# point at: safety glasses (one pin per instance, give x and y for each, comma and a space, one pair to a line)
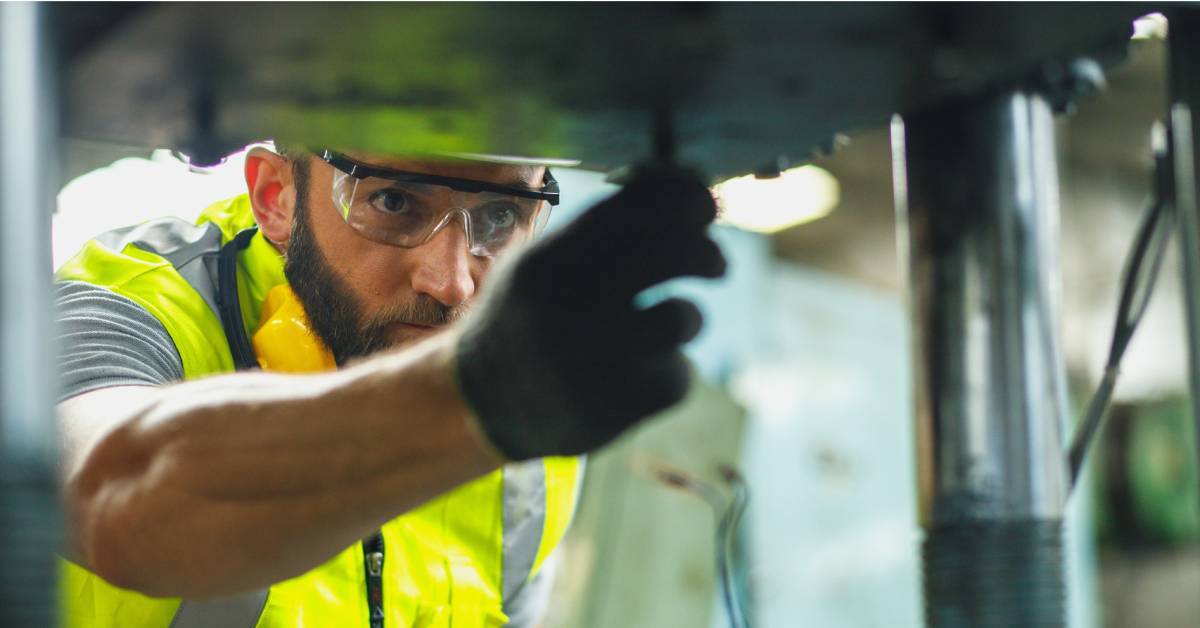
406, 209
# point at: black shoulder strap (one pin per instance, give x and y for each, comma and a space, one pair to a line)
230, 305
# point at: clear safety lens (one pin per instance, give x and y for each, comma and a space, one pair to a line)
409, 214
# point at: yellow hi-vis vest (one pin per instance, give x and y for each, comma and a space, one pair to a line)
459, 560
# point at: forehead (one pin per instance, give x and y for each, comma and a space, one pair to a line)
503, 174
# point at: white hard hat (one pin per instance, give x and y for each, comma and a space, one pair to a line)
513, 160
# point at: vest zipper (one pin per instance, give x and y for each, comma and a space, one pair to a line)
373, 561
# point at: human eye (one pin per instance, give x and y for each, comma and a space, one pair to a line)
501, 215
390, 201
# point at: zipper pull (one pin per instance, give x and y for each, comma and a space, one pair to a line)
375, 563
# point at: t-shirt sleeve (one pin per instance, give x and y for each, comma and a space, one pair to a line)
106, 339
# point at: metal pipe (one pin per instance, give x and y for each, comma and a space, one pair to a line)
977, 203
1184, 63
28, 504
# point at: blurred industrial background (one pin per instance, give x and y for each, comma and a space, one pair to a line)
830, 538
805, 371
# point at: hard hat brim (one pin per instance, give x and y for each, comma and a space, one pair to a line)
513, 160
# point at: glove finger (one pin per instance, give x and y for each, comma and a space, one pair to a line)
626, 334
650, 205
666, 325
607, 399
651, 385
624, 272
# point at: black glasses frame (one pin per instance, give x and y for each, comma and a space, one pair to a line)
359, 170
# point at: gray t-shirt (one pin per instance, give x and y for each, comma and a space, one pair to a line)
105, 339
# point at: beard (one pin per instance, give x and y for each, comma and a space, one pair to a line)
334, 312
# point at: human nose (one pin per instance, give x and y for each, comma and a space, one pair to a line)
444, 265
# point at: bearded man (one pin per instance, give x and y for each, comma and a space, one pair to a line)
356, 395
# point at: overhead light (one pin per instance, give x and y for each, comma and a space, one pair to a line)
1153, 26
794, 197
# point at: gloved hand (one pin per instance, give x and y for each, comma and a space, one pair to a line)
558, 360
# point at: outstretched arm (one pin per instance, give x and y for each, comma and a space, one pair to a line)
230, 483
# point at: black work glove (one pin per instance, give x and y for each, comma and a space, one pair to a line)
558, 360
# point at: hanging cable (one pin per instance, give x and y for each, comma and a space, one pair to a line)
730, 521
1137, 284
728, 515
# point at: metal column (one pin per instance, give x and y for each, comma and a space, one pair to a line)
28, 144
977, 201
1184, 76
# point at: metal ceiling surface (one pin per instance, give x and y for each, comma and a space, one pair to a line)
745, 83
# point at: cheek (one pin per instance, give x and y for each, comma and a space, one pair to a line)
371, 270
480, 271
380, 273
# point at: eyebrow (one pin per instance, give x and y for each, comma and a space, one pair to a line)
522, 178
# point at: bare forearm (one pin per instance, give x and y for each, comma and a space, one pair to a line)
235, 482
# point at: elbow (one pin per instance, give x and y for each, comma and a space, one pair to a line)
102, 553
101, 500
98, 529
127, 506
116, 541
123, 560
124, 522
118, 555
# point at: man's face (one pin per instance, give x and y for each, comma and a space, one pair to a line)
362, 296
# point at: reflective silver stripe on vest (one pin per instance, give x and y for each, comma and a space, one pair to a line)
230, 612
191, 249
524, 523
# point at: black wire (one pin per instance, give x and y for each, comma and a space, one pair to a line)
733, 516
728, 516
1137, 284
723, 572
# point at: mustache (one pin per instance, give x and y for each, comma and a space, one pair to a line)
422, 310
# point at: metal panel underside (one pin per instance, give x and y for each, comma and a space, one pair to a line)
747, 82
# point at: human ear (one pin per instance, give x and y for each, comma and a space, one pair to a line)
272, 192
